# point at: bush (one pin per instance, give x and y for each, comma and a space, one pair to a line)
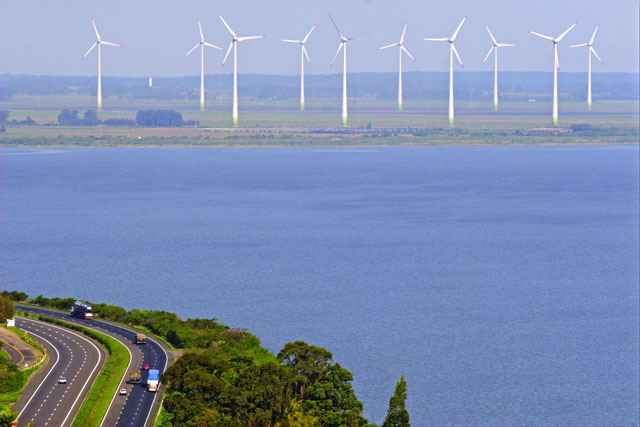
119, 122
159, 118
581, 127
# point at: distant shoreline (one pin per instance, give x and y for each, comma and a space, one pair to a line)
337, 145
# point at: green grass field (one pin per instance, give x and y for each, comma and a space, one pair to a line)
476, 122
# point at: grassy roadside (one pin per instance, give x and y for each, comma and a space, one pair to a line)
10, 397
95, 405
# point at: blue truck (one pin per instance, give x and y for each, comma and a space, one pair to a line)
152, 380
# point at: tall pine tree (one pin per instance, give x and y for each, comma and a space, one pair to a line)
397, 415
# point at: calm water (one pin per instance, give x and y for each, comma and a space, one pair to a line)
501, 282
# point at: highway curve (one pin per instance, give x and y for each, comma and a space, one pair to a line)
73, 356
138, 407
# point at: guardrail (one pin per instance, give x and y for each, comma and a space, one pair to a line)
33, 342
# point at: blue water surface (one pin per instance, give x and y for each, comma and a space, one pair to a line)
502, 282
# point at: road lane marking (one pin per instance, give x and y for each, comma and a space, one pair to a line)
94, 368
19, 352
45, 378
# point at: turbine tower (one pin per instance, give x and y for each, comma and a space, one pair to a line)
495, 46
99, 42
343, 45
303, 54
401, 49
234, 44
452, 50
589, 52
556, 67
202, 44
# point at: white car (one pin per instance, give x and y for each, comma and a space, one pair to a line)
123, 392
62, 380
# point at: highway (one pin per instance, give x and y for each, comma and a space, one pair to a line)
73, 356
19, 352
137, 408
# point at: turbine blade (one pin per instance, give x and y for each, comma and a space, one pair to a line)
557, 61
290, 41
192, 49
226, 25
334, 24
213, 46
594, 52
443, 39
541, 35
506, 45
404, 49
200, 28
304, 50
490, 34
90, 49
579, 45
457, 56
404, 30
561, 36
389, 45
488, 53
110, 44
455, 34
241, 39
336, 55
227, 54
594, 35
304, 40
95, 28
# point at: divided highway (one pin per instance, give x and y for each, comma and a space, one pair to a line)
137, 408
74, 357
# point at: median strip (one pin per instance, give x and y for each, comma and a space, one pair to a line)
104, 388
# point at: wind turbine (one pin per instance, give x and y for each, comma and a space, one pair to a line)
495, 46
343, 45
556, 67
99, 42
303, 54
401, 49
234, 44
202, 44
589, 52
452, 50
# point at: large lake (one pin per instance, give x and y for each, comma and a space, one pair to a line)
502, 282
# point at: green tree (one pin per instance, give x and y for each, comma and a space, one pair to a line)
7, 309
7, 417
67, 117
91, 118
260, 395
333, 400
397, 415
309, 362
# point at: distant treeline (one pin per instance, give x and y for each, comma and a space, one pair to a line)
152, 118
417, 85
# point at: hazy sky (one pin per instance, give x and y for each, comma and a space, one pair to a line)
49, 37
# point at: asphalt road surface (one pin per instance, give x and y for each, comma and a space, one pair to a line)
73, 356
19, 352
138, 406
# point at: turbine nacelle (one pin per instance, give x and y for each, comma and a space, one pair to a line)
98, 41
234, 38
